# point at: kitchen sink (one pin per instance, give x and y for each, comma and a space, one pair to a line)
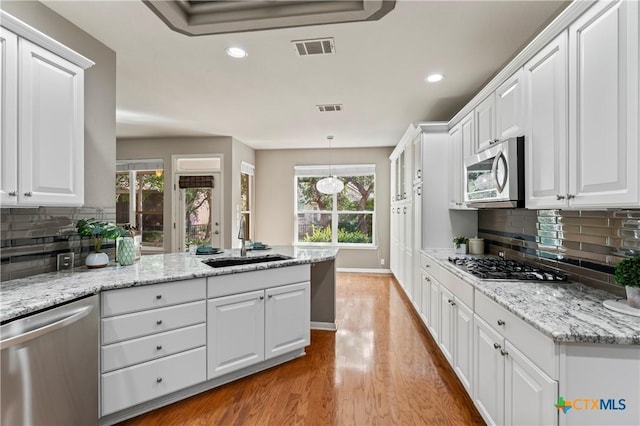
235, 261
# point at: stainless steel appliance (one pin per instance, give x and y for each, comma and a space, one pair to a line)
49, 366
498, 269
494, 178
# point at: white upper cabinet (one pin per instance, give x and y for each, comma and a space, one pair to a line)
51, 128
485, 120
546, 143
42, 152
8, 117
603, 106
510, 107
460, 145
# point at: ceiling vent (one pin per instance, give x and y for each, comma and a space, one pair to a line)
329, 107
317, 46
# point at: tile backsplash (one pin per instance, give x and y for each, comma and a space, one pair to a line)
586, 245
31, 238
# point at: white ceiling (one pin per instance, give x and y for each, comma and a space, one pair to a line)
169, 84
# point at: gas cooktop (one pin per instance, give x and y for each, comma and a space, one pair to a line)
498, 269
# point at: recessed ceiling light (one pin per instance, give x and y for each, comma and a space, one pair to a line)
236, 52
434, 78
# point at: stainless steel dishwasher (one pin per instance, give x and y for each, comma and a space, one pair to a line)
50, 366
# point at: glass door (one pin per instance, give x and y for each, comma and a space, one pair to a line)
199, 200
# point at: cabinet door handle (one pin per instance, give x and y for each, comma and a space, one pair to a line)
500, 322
427, 279
159, 322
453, 303
496, 346
559, 197
13, 194
270, 296
503, 352
158, 380
158, 347
261, 297
570, 196
419, 173
28, 194
419, 190
404, 210
158, 296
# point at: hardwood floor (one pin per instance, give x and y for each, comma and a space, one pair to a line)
380, 368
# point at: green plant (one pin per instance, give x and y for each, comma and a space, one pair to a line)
628, 272
99, 230
319, 235
459, 240
345, 236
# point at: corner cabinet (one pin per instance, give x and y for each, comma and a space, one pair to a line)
42, 120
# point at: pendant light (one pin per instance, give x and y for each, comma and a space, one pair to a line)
330, 185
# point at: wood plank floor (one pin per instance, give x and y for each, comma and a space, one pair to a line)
380, 368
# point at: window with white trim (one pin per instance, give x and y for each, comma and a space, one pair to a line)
346, 218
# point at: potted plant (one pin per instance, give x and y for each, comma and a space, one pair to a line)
460, 244
627, 274
98, 231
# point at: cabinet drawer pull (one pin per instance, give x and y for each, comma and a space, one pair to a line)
159, 322
13, 194
496, 346
28, 194
503, 352
159, 379
158, 296
159, 347
500, 322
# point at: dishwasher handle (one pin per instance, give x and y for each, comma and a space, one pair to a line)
30, 335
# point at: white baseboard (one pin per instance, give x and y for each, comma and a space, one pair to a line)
326, 326
364, 270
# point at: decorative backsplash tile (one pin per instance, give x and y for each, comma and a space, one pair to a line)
586, 245
31, 238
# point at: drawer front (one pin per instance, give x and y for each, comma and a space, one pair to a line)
429, 265
538, 347
135, 299
225, 285
130, 326
131, 352
131, 386
461, 289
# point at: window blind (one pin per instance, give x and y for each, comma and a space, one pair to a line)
338, 170
195, 182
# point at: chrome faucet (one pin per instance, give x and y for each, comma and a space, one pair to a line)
241, 233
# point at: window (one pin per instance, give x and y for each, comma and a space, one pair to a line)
346, 218
247, 172
140, 200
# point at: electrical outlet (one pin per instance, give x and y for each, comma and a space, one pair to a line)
65, 261
382, 262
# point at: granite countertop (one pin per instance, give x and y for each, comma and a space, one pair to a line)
566, 312
28, 295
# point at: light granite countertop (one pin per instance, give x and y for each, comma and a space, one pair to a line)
28, 295
566, 312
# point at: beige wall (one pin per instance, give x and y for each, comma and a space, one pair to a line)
232, 153
100, 96
275, 202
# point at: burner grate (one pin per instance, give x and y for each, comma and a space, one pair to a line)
489, 268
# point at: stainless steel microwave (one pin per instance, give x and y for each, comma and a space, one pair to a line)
494, 178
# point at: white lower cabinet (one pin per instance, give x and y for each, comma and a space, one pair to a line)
143, 382
235, 332
247, 328
156, 349
508, 387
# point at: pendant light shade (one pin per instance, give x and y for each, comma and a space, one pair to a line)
330, 185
